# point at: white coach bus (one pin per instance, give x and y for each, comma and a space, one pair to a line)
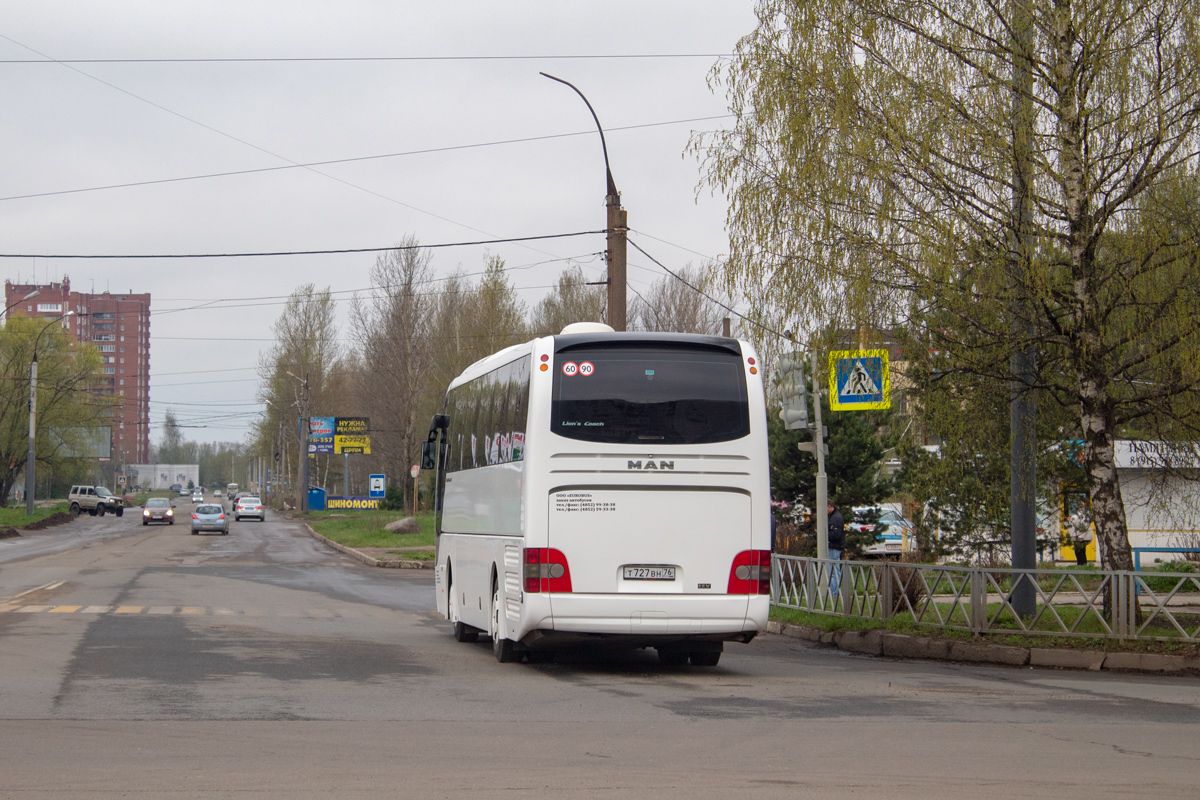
605, 489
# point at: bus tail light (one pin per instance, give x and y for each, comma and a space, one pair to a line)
751, 573
546, 570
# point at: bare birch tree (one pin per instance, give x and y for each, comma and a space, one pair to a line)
676, 304
571, 300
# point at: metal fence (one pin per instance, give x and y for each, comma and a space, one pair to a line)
1093, 603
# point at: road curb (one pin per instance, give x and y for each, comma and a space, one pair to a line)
370, 561
878, 642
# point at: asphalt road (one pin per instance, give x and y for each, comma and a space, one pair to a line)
153, 663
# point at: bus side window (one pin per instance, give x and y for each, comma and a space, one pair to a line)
519, 399
501, 415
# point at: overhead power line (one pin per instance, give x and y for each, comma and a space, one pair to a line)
697, 289
303, 252
367, 59
353, 159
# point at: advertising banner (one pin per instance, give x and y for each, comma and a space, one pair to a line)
320, 435
350, 435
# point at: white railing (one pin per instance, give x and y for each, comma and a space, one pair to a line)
1092, 603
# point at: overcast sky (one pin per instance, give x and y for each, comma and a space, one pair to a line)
467, 82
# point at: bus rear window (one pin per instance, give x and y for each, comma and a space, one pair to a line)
649, 394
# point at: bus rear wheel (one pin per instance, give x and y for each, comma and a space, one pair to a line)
505, 652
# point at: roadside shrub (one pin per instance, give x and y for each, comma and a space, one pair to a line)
393, 499
1167, 584
907, 587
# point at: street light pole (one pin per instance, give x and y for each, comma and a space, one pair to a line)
303, 498
30, 457
617, 227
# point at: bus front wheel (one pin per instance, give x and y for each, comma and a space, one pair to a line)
503, 648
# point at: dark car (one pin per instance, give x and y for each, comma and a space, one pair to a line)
158, 509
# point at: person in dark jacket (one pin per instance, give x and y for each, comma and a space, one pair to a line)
837, 543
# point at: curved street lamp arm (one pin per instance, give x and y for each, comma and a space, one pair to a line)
612, 186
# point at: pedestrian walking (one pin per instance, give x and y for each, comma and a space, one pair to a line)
1080, 528
836, 539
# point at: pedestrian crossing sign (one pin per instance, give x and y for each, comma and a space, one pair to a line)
859, 380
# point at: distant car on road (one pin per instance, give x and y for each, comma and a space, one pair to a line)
158, 509
198, 496
249, 506
210, 517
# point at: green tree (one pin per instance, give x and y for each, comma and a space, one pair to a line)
873, 173
857, 442
68, 412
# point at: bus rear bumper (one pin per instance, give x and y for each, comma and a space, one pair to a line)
714, 617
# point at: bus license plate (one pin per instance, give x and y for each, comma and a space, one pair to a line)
649, 573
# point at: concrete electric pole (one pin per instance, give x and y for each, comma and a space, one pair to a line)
617, 226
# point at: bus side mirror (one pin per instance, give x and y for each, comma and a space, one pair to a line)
428, 455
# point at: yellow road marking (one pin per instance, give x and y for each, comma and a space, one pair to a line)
65, 609
129, 609
8, 607
192, 610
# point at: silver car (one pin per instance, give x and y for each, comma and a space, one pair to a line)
210, 517
249, 506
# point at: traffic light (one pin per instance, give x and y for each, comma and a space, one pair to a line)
794, 391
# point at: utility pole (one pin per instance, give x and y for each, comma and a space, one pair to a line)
617, 227
1022, 409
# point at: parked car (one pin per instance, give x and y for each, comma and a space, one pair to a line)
96, 500
210, 517
249, 506
894, 535
158, 509
175, 488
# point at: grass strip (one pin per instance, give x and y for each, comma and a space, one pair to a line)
15, 517
365, 529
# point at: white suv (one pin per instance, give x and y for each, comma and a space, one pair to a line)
96, 500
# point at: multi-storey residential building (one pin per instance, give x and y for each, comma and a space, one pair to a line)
119, 326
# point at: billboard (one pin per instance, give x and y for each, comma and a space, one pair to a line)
350, 435
330, 435
320, 435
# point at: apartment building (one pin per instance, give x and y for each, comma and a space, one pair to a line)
119, 326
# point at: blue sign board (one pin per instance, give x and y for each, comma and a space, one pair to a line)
320, 435
376, 485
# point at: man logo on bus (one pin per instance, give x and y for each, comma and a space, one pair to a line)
651, 465
570, 368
